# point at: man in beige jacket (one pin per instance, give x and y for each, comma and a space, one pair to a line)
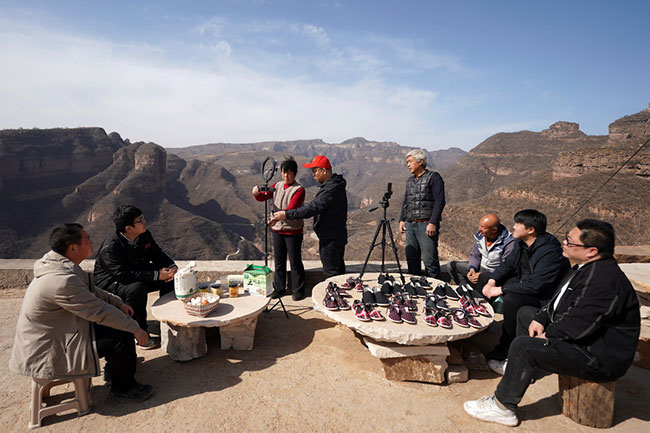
66, 323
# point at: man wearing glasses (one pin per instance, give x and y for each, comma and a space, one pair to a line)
589, 329
528, 276
130, 264
330, 211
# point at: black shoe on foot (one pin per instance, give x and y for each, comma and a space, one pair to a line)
136, 393
298, 296
278, 294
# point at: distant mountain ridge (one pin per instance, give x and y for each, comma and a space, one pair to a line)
198, 200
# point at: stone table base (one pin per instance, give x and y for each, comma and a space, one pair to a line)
183, 343
239, 336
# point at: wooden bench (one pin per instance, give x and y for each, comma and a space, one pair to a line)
587, 403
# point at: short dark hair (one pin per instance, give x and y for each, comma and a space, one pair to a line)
65, 235
289, 164
532, 218
598, 234
124, 216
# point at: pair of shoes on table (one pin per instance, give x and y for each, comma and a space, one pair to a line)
151, 344
333, 301
366, 312
487, 409
464, 319
138, 392
354, 283
405, 299
435, 317
499, 367
379, 296
445, 291
399, 311
470, 303
435, 301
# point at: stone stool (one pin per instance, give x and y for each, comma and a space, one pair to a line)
41, 388
587, 403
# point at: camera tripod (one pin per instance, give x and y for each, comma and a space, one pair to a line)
383, 226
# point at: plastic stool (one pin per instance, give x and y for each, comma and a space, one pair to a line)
41, 388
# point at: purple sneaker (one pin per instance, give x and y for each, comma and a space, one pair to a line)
394, 313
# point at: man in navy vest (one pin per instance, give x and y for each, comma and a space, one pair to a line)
421, 214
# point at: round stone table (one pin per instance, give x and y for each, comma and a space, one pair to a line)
419, 334
183, 335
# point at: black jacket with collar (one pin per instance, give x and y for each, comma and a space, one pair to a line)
119, 261
547, 267
329, 209
599, 311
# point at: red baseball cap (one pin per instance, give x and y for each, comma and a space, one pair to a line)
319, 161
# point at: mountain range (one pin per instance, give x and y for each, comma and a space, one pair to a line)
198, 201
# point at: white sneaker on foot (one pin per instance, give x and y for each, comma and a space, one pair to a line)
486, 409
499, 367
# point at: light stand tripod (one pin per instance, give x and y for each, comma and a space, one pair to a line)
269, 167
384, 224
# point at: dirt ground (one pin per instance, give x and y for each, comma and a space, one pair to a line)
305, 374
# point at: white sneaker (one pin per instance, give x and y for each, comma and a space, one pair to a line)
499, 367
486, 409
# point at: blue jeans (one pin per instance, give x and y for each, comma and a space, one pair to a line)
420, 246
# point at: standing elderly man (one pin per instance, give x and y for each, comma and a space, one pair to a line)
421, 213
589, 329
66, 323
329, 209
492, 244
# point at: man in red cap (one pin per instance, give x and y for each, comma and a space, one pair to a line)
329, 209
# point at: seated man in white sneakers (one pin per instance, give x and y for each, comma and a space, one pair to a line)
589, 329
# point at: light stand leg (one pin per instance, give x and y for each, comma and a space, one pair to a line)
266, 253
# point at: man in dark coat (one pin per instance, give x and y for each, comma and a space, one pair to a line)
130, 264
528, 276
589, 329
330, 211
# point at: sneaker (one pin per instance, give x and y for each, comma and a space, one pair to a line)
394, 313
380, 298
136, 393
397, 287
408, 288
374, 313
359, 287
151, 344
499, 367
442, 320
450, 293
298, 296
409, 303
382, 278
360, 311
420, 290
458, 316
341, 303
368, 297
471, 321
334, 289
430, 317
350, 283
487, 409
386, 288
440, 291
468, 305
407, 316
329, 303
424, 282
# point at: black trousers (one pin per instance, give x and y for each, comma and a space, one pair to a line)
332, 257
528, 355
512, 302
456, 272
118, 347
135, 295
290, 245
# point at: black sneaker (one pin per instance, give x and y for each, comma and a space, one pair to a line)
380, 297
419, 290
451, 293
136, 393
440, 291
298, 296
386, 288
410, 289
368, 297
424, 282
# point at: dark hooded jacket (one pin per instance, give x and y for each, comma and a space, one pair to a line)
599, 312
329, 209
534, 270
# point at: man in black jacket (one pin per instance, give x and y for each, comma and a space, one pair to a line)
130, 264
330, 211
589, 329
527, 276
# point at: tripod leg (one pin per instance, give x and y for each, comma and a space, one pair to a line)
392, 244
372, 246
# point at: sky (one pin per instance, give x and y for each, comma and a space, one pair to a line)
432, 74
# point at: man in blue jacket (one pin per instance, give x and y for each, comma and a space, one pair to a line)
330, 211
589, 329
528, 276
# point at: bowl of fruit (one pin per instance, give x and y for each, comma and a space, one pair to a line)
201, 304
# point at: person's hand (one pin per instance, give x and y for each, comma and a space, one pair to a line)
166, 274
490, 290
256, 190
472, 276
126, 309
280, 215
536, 329
431, 230
141, 337
402, 226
